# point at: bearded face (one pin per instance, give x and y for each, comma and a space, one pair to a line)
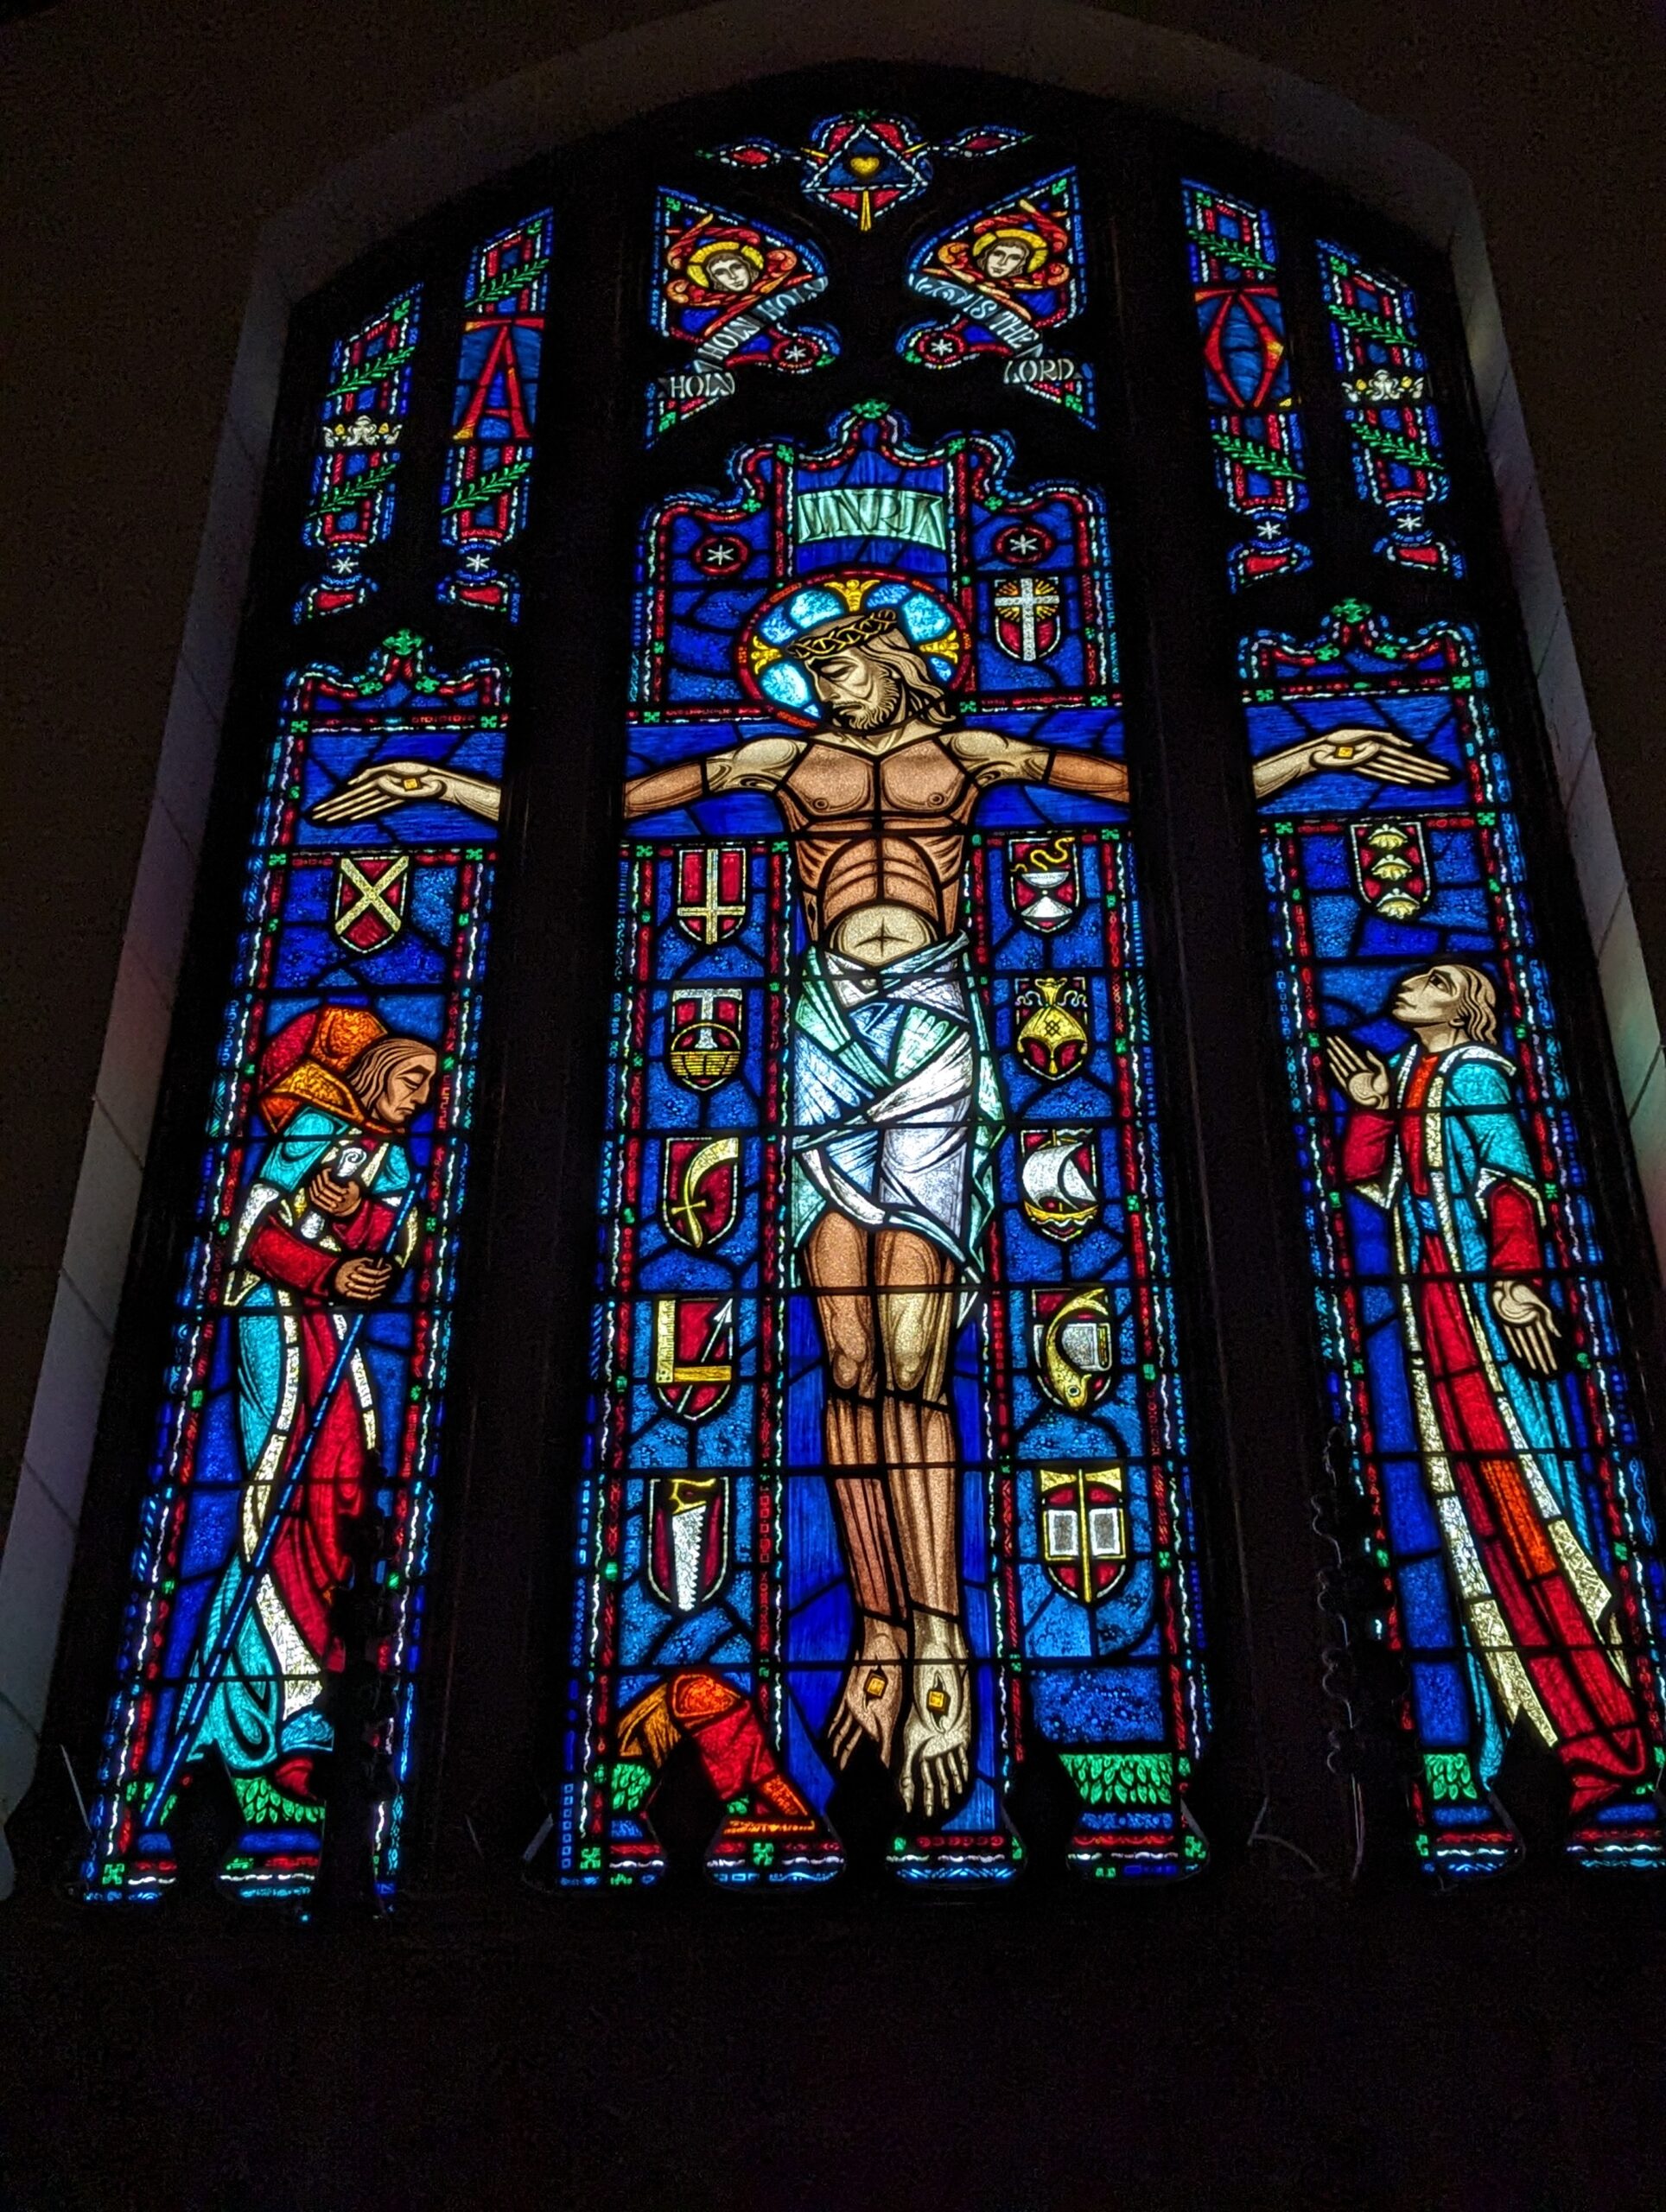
860, 692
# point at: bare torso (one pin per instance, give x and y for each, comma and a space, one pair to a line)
879, 821
879, 838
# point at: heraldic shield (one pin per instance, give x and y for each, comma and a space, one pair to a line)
693, 1354
368, 910
687, 1540
1026, 612
706, 1034
1083, 1529
1391, 868
1046, 882
1074, 1344
1060, 1178
1052, 1014
699, 1189
711, 892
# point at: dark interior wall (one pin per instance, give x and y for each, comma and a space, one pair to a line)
144, 147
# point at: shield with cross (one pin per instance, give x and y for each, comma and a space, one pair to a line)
368, 909
711, 892
1027, 616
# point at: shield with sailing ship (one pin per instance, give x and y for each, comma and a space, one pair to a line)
1058, 1176
699, 1189
1046, 882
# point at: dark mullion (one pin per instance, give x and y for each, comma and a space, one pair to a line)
1271, 1420
517, 1430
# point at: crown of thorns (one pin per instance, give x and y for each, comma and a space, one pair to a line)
851, 630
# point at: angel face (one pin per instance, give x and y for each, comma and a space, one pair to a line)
1004, 259
726, 272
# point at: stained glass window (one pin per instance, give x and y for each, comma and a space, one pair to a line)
851, 1476
361, 421
1392, 420
1253, 417
888, 1457
1468, 1314
494, 413
277, 1613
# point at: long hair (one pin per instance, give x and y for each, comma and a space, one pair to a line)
925, 699
1477, 1004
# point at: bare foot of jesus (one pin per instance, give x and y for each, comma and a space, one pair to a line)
936, 1737
872, 1696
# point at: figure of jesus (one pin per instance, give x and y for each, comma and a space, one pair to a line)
896, 1115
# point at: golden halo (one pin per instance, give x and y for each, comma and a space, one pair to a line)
703, 255
1034, 245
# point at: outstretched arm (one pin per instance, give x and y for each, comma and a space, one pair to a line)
990, 758
1380, 756
393, 783
757, 766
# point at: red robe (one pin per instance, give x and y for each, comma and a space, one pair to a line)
1573, 1673
309, 1561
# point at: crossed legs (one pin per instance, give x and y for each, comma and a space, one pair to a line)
886, 1303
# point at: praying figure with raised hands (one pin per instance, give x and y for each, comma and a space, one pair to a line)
1437, 1139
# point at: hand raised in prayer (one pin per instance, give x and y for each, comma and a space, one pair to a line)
1529, 1322
1359, 1072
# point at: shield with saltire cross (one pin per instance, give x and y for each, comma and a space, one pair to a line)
369, 907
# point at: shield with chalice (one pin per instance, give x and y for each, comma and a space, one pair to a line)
1045, 884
